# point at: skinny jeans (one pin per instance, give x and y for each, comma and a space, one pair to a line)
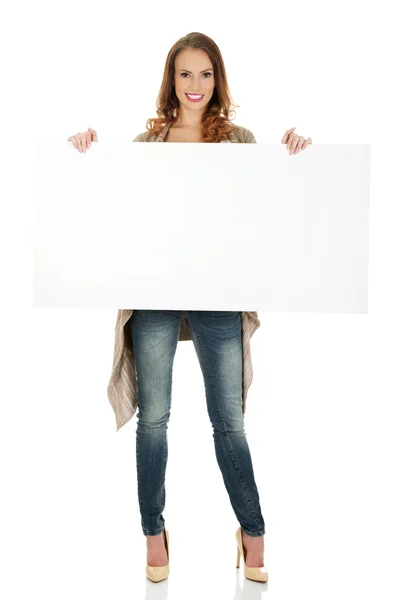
217, 338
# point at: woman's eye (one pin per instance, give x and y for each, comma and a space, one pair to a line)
203, 74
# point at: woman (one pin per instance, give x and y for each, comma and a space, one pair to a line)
193, 106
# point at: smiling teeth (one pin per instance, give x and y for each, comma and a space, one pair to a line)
195, 97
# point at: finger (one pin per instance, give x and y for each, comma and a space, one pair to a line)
292, 141
88, 139
308, 141
84, 141
293, 146
299, 145
74, 140
94, 134
286, 135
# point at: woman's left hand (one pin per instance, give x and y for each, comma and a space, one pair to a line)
294, 142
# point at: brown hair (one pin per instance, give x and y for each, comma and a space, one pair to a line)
216, 124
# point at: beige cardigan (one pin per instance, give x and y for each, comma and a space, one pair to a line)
122, 387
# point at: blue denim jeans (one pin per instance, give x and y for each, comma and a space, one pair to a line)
217, 338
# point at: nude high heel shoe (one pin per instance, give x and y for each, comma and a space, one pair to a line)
253, 573
157, 574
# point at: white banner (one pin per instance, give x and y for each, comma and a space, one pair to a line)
202, 227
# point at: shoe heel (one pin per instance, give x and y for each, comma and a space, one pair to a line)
253, 573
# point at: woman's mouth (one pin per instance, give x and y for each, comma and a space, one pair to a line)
194, 97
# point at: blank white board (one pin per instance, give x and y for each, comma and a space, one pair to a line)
202, 227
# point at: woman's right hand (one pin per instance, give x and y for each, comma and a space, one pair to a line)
82, 141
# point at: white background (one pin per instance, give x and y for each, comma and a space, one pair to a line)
321, 416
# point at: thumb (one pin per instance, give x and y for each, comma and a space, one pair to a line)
286, 135
94, 134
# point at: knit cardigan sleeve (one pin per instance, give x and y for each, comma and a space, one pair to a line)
245, 136
141, 137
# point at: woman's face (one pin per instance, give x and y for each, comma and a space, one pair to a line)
194, 75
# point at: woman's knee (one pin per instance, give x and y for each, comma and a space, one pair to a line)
154, 416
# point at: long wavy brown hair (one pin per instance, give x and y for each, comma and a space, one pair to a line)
216, 123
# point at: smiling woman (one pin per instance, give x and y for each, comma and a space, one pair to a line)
194, 96
193, 105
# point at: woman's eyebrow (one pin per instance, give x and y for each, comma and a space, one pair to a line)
191, 71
